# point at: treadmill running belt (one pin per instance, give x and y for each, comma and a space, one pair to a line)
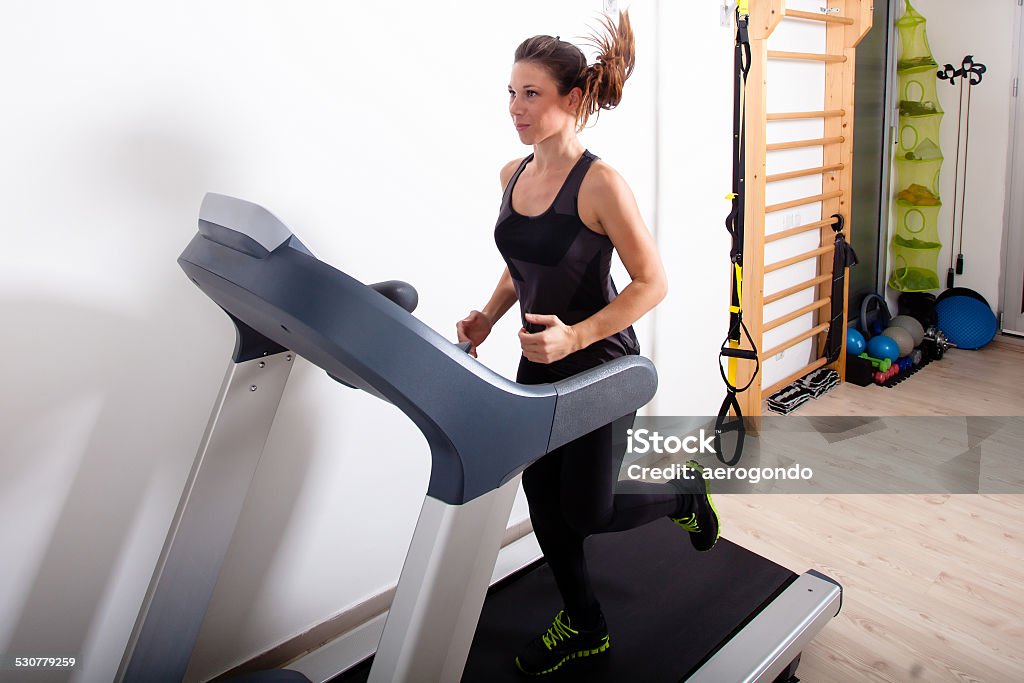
668, 607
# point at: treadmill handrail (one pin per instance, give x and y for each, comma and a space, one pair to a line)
366, 340
594, 398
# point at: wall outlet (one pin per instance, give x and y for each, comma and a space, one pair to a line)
611, 6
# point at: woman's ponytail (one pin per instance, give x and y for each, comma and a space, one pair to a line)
602, 82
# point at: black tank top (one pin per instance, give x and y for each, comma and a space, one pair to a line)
560, 266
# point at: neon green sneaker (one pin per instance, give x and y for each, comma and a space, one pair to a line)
702, 520
560, 643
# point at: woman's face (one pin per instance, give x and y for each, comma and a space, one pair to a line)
537, 110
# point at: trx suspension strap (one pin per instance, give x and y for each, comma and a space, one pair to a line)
843, 257
734, 223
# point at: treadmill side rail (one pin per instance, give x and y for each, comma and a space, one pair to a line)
186, 573
764, 647
444, 581
594, 398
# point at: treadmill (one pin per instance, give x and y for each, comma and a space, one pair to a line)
728, 615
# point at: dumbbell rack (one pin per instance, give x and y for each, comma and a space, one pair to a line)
846, 23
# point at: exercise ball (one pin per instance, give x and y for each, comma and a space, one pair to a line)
911, 325
966, 321
882, 347
961, 291
855, 343
904, 340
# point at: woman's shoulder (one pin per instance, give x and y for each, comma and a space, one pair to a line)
508, 170
602, 180
603, 194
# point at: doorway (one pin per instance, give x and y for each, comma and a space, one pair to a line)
1013, 263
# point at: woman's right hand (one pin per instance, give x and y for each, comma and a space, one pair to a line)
474, 328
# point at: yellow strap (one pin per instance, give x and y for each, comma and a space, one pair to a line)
735, 344
731, 196
739, 284
738, 308
743, 7
733, 364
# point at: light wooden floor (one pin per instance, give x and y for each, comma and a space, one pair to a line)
989, 381
933, 585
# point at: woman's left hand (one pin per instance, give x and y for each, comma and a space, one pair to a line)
555, 342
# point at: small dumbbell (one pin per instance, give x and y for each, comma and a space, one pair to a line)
880, 364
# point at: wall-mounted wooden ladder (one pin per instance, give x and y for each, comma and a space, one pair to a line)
846, 23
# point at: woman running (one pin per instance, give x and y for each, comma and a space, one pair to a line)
563, 212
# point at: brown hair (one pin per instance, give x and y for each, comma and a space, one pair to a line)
602, 81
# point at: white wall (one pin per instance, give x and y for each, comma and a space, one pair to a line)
376, 131
695, 174
983, 29
695, 112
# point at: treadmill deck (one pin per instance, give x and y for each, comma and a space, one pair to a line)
668, 607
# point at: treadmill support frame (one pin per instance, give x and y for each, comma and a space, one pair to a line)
179, 593
442, 588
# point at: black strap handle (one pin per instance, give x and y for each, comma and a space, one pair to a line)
745, 354
724, 425
730, 352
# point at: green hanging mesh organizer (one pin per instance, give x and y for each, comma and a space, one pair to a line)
915, 245
914, 50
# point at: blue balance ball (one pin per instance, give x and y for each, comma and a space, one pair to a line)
882, 347
855, 343
967, 321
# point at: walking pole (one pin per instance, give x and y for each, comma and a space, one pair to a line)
971, 72
950, 73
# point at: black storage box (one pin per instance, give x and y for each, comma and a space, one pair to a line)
859, 371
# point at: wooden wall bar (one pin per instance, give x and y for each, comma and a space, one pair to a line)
844, 30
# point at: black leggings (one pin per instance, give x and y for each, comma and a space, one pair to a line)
573, 493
